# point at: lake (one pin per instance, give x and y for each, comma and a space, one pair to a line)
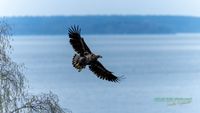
162, 72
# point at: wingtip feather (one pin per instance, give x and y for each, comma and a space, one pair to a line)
74, 29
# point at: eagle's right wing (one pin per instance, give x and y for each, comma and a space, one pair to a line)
97, 68
77, 41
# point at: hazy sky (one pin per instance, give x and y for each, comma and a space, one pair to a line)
99, 7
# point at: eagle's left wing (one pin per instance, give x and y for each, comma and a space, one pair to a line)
97, 68
77, 41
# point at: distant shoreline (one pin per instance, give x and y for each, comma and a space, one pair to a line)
177, 34
98, 25
98, 34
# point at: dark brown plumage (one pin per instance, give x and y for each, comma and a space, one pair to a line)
85, 57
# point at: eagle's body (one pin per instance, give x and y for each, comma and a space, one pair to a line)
80, 62
85, 57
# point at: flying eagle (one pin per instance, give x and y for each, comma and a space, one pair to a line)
85, 56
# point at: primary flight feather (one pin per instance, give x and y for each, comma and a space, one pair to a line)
85, 57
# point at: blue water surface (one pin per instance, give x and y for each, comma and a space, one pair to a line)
154, 66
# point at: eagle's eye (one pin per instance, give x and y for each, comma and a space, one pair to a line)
86, 53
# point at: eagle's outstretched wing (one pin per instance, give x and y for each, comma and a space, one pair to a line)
77, 41
101, 72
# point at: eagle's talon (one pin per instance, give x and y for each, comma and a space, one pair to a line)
77, 65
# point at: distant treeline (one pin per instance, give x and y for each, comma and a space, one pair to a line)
54, 25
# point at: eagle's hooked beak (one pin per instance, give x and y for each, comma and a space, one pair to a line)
99, 56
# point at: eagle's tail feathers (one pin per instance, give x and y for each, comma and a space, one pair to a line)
76, 64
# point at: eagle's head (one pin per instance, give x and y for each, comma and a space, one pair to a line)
95, 57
